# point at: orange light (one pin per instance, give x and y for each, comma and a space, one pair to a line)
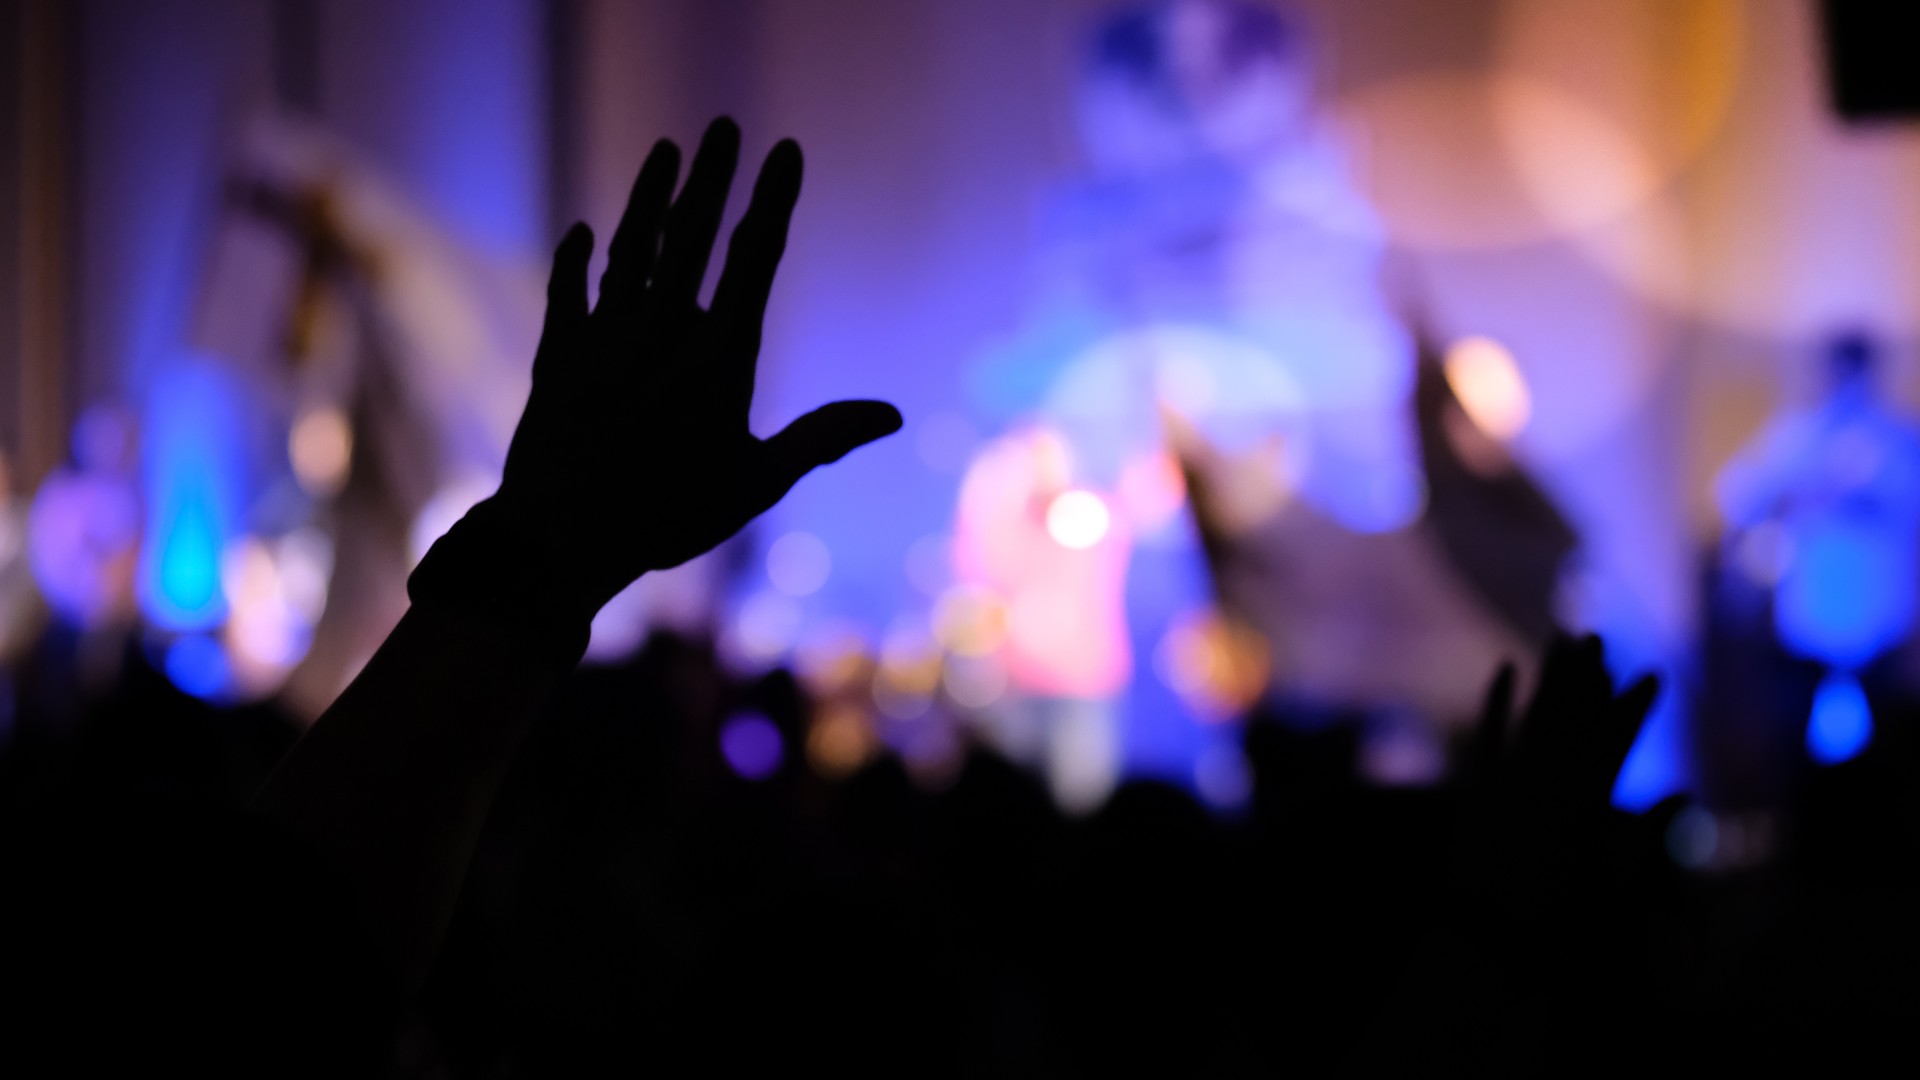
1488, 384
840, 741
320, 447
1219, 667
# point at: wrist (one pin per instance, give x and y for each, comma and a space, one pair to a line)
492, 567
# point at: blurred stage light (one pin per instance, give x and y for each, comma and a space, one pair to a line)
1533, 148
1219, 667
1842, 721
320, 447
198, 665
1401, 750
192, 464
752, 746
81, 533
832, 660
247, 573
970, 621
840, 741
765, 627
1693, 840
305, 560
798, 564
1077, 519
908, 674
974, 682
1705, 842
1222, 777
266, 633
1488, 384
1083, 753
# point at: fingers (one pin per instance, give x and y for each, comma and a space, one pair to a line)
566, 302
1490, 735
822, 437
1630, 713
694, 220
753, 254
636, 242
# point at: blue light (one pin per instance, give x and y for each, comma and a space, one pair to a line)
191, 479
190, 562
1656, 766
198, 665
1849, 594
1842, 721
752, 746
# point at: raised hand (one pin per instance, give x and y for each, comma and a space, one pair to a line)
1536, 805
1574, 735
633, 455
634, 452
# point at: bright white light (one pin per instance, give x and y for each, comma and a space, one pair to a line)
1077, 519
1485, 378
798, 564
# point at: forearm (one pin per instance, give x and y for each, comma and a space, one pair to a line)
392, 784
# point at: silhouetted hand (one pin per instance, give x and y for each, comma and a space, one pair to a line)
1536, 804
634, 452
1542, 933
1573, 737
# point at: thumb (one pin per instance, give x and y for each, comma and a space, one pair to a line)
823, 437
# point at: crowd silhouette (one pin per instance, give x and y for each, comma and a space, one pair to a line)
481, 862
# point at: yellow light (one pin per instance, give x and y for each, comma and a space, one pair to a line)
833, 661
969, 621
909, 662
1487, 383
1077, 519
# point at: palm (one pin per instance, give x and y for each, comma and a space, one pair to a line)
634, 451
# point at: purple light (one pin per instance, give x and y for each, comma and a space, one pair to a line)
752, 746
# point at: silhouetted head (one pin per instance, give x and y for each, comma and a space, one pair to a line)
1852, 357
